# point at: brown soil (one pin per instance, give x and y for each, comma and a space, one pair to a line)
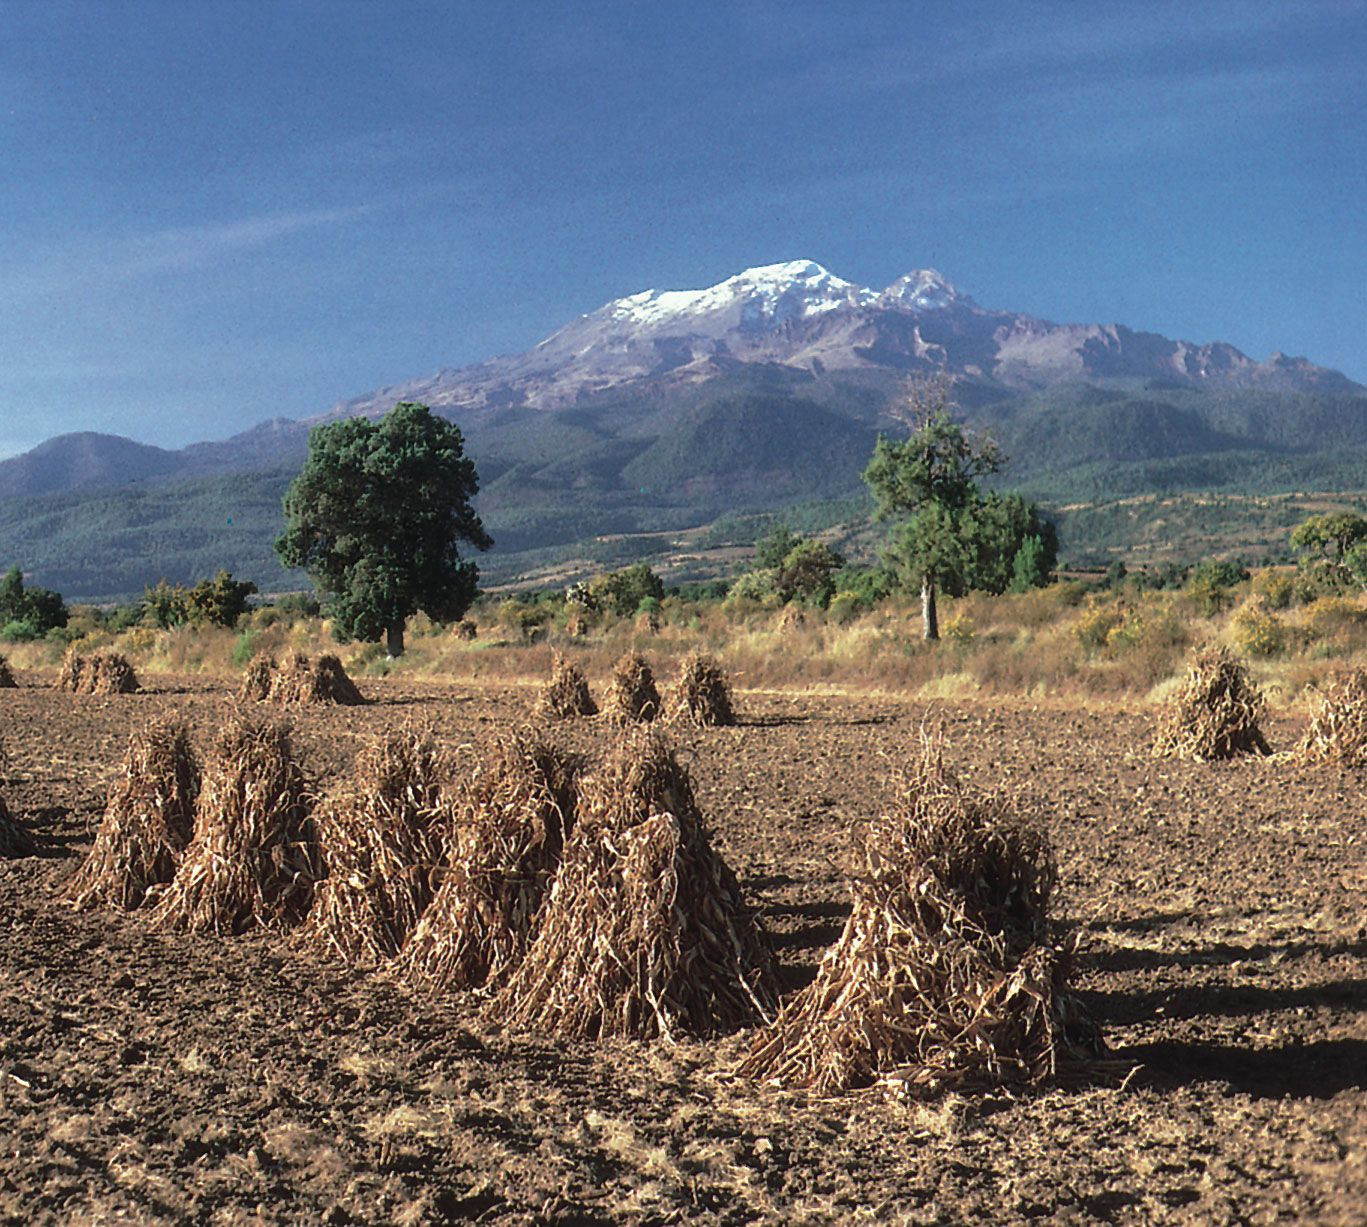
151, 1076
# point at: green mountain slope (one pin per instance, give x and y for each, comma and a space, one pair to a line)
555, 484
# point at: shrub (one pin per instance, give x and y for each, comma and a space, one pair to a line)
19, 630
1256, 631
845, 607
623, 591
1095, 624
1276, 588
755, 586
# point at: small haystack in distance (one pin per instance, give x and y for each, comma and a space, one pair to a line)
96, 673
1338, 721
1216, 713
256, 681
701, 694
944, 976
567, 693
7, 681
631, 695
303, 681
253, 858
507, 831
644, 932
148, 819
380, 837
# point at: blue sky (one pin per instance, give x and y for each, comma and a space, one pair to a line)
216, 213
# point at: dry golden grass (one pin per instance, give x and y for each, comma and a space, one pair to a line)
506, 834
380, 836
1216, 713
945, 975
253, 858
645, 932
148, 820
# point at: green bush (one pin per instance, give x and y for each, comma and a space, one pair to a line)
19, 630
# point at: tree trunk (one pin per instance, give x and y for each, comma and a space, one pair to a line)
394, 640
930, 621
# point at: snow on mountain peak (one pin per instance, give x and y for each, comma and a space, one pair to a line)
922, 289
764, 296
768, 295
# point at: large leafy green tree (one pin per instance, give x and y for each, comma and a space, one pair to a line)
1337, 543
929, 480
29, 612
377, 517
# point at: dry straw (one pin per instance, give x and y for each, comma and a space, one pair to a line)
14, 840
1216, 712
701, 695
567, 693
380, 837
644, 932
253, 859
7, 681
507, 832
631, 695
256, 681
96, 673
1338, 721
148, 820
299, 681
944, 976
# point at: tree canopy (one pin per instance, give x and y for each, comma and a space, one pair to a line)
28, 613
951, 535
1338, 543
377, 518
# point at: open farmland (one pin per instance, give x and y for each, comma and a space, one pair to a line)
147, 1075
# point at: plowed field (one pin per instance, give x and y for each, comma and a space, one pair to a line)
148, 1076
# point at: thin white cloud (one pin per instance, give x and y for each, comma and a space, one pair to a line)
87, 263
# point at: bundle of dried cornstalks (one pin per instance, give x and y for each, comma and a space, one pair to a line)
567, 693
631, 695
701, 694
300, 681
96, 673
507, 830
256, 681
253, 858
1338, 721
644, 932
148, 820
944, 975
7, 681
1216, 713
14, 840
380, 836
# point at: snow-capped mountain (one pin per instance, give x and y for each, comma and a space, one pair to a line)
799, 314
